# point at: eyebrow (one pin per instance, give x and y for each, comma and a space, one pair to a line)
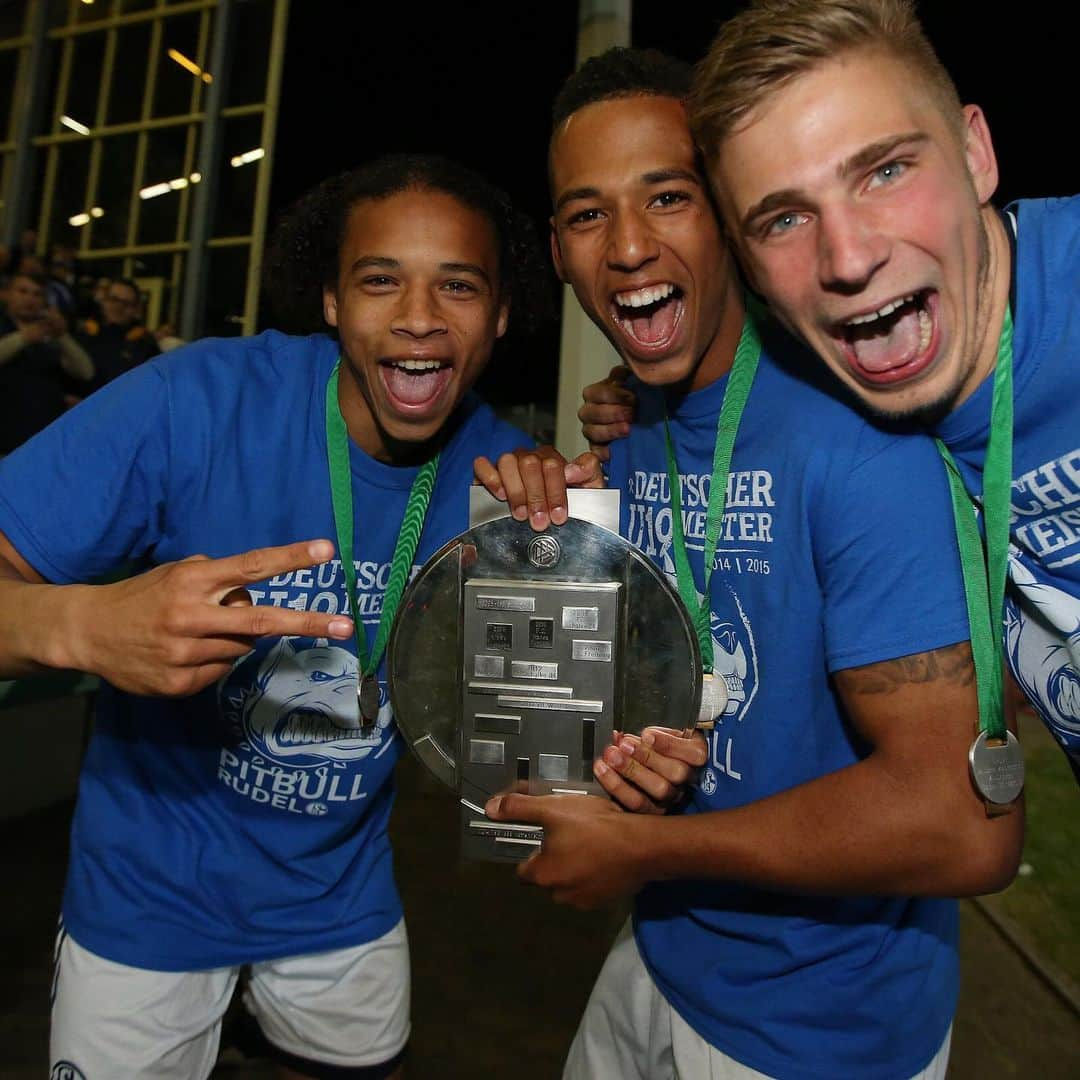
775, 200
858, 161
880, 149
466, 268
379, 262
384, 262
574, 194
665, 176
657, 176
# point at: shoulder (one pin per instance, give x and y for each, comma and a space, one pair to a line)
1052, 224
802, 399
270, 348
1048, 243
252, 381
793, 376
480, 431
266, 361
646, 438
1055, 213
1047, 319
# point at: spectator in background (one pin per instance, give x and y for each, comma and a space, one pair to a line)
29, 263
118, 341
60, 290
36, 355
94, 307
26, 245
167, 337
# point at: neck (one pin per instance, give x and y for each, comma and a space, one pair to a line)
720, 354
365, 431
991, 301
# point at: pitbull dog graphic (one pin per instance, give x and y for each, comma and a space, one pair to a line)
734, 650
735, 658
1042, 642
302, 708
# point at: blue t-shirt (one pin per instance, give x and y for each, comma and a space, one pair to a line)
246, 822
1042, 609
837, 549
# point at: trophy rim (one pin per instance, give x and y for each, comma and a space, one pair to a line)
446, 766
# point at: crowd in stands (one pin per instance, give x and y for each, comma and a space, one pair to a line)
63, 335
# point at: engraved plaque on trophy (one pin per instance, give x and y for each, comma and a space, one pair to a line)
515, 655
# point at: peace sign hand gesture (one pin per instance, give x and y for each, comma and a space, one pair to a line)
180, 627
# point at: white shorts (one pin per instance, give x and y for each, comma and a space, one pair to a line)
630, 1031
346, 1008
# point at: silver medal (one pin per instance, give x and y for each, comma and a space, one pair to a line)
997, 768
714, 701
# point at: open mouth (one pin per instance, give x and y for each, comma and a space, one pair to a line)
650, 317
414, 385
307, 727
895, 342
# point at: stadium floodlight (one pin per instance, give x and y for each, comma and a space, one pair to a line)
189, 65
247, 157
67, 121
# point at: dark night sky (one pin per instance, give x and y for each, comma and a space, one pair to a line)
475, 81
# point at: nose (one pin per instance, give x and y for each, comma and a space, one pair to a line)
418, 314
632, 243
850, 250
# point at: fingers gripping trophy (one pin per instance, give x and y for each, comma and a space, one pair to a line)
516, 656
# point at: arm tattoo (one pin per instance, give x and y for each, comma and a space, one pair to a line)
952, 665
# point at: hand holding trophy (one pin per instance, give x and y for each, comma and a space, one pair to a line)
516, 654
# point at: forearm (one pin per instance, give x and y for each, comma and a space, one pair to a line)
864, 829
37, 623
903, 820
11, 345
74, 359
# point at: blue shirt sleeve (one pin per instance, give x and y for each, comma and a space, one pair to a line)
888, 564
89, 492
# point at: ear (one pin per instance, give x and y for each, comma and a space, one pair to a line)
979, 153
283, 650
329, 306
504, 318
556, 251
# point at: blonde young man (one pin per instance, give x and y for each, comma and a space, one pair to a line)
856, 192
786, 924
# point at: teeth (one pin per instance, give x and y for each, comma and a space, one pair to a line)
642, 297
418, 365
881, 312
926, 328
306, 728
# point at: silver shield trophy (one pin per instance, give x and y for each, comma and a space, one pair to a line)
516, 654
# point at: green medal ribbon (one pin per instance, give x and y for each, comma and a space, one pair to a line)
736, 393
412, 524
984, 579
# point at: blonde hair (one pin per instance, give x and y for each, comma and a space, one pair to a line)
773, 42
